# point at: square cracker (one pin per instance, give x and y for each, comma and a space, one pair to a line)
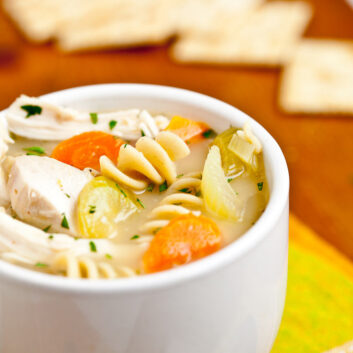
90, 24
346, 348
319, 79
267, 36
205, 16
119, 23
38, 19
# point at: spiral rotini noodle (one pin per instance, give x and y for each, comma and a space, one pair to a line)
85, 267
184, 197
151, 158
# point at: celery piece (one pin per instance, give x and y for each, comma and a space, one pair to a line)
242, 149
219, 197
231, 164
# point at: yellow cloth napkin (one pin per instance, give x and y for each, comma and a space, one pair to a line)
318, 313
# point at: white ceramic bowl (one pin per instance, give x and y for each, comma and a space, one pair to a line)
229, 302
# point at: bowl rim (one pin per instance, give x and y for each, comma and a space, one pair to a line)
232, 252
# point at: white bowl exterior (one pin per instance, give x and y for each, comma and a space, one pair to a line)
230, 302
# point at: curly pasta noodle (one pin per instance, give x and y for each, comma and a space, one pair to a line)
184, 197
151, 159
85, 267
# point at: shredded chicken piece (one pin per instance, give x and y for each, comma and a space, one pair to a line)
49, 121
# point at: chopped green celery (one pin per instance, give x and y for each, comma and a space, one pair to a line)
219, 197
231, 164
102, 206
243, 149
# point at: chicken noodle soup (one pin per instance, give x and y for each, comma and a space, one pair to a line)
123, 193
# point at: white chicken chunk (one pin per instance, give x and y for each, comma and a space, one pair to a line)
44, 192
23, 243
4, 137
38, 119
4, 195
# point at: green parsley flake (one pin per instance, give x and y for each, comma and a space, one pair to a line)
156, 230
260, 186
46, 229
135, 237
39, 264
31, 110
93, 247
121, 190
34, 151
186, 190
92, 209
68, 196
94, 118
229, 180
51, 236
209, 134
163, 187
141, 204
150, 187
108, 256
180, 175
125, 145
64, 222
142, 133
112, 124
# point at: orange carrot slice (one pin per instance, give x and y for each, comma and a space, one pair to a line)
84, 150
189, 130
186, 238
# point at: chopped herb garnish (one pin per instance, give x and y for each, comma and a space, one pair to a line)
156, 230
67, 195
92, 209
141, 204
260, 186
229, 180
39, 264
34, 151
94, 118
46, 229
198, 193
236, 193
121, 190
125, 145
64, 222
180, 175
51, 236
112, 124
150, 187
135, 237
209, 134
142, 133
108, 256
163, 187
31, 110
186, 190
93, 247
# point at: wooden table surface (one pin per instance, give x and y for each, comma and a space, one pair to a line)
319, 149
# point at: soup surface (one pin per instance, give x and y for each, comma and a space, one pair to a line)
120, 194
